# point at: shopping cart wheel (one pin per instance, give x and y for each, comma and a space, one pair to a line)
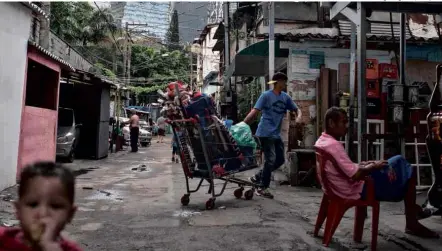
238, 192
249, 194
185, 200
210, 204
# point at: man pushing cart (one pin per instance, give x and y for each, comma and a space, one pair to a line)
207, 149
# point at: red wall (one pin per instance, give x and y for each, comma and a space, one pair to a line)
39, 125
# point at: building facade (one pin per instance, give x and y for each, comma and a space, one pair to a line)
152, 17
192, 17
13, 49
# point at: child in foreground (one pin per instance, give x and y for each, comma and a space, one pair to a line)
44, 207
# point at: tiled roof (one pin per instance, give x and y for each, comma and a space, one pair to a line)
420, 28
48, 53
35, 8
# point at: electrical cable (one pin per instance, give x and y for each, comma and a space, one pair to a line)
110, 27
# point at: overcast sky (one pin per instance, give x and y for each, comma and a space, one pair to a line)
104, 4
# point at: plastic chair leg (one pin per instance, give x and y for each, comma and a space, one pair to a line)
375, 227
322, 215
358, 230
335, 213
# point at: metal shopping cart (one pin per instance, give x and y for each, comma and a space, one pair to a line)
209, 152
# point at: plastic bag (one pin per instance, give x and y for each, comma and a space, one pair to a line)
243, 135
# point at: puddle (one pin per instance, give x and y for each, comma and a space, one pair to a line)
106, 195
141, 168
185, 214
84, 171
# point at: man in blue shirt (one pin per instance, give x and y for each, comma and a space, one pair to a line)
273, 104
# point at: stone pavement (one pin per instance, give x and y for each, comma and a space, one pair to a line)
124, 205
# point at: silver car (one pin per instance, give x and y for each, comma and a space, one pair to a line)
67, 134
145, 137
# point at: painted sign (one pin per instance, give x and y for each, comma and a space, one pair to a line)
302, 87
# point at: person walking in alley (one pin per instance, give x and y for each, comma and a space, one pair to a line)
161, 123
134, 130
273, 104
394, 180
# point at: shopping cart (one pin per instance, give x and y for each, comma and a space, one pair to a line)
209, 153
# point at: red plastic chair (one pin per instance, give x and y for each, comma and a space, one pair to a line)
333, 207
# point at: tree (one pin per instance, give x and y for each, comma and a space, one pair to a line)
173, 35
159, 65
80, 23
154, 69
100, 69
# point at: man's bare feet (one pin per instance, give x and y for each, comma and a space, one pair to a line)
420, 230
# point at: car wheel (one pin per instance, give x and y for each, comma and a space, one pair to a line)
144, 144
71, 157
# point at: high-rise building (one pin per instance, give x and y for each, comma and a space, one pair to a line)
192, 18
145, 18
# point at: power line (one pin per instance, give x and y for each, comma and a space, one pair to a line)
110, 27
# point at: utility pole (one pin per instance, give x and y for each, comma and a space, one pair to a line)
227, 81
126, 54
271, 39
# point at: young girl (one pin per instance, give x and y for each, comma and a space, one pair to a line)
45, 206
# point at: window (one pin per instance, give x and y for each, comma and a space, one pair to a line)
41, 86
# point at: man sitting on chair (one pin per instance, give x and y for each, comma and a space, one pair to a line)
394, 180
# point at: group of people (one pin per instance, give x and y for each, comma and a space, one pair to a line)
47, 190
394, 179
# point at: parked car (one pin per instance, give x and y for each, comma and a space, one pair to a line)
145, 133
145, 137
68, 133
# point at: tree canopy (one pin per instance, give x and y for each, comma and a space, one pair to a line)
93, 33
173, 36
80, 23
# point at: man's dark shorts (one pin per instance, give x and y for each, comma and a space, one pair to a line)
161, 132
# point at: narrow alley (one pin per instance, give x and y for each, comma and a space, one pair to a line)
131, 201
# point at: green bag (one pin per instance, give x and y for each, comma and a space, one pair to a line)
243, 135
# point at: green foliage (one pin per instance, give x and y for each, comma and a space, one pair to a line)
144, 90
159, 65
80, 23
173, 36
247, 98
100, 69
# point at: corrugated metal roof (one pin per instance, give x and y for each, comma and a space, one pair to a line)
48, 53
377, 29
420, 28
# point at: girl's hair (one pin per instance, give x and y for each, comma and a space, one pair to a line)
48, 170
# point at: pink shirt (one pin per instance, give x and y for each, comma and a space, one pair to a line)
341, 183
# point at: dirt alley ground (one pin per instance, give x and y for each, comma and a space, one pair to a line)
122, 207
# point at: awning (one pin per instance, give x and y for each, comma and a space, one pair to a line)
219, 33
253, 61
219, 45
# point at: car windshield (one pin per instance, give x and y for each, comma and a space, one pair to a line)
65, 117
